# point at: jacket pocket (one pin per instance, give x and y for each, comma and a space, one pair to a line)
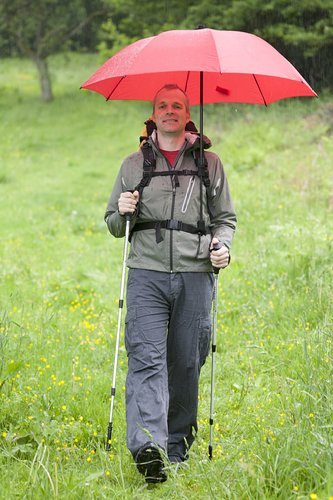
201, 342
188, 194
205, 329
131, 337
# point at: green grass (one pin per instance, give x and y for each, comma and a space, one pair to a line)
60, 278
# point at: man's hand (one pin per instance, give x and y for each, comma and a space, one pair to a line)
127, 202
219, 258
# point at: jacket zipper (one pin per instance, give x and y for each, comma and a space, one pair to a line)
173, 207
173, 182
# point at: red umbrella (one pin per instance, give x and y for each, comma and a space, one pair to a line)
209, 65
237, 67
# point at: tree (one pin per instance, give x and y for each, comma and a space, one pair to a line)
209, 13
40, 28
131, 20
304, 33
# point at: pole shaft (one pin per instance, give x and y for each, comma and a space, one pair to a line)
120, 310
211, 414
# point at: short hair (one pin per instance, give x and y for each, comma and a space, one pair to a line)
172, 86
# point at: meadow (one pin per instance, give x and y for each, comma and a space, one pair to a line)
60, 278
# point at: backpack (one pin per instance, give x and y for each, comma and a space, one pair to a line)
149, 165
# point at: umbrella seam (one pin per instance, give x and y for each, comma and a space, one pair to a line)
262, 95
187, 78
216, 53
115, 88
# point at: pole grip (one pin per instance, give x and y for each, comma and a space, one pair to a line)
216, 246
128, 215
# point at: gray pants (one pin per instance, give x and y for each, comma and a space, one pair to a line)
167, 338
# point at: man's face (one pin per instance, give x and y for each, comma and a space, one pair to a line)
170, 113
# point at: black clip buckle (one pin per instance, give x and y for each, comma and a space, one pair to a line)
174, 224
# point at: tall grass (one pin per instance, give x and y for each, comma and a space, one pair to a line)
60, 276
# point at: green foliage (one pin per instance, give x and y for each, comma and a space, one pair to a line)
211, 14
306, 25
41, 28
302, 31
60, 276
130, 21
112, 40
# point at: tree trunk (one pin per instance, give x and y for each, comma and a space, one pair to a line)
44, 79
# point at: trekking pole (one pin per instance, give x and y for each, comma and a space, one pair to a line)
216, 270
120, 310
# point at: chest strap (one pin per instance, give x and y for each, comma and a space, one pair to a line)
171, 225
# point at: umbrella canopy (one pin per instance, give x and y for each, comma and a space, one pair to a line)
209, 65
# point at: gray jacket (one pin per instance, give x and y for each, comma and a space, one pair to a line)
163, 199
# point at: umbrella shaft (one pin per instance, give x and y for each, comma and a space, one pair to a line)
201, 117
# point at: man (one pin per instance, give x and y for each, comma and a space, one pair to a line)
175, 220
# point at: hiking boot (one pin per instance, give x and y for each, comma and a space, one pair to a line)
150, 464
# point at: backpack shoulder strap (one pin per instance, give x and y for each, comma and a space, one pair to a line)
149, 165
202, 169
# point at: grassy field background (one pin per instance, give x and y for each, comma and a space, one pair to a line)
60, 278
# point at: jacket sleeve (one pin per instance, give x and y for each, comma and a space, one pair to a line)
221, 208
117, 223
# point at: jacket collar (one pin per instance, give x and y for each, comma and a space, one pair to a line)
192, 141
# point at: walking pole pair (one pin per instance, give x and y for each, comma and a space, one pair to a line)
120, 310
216, 270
